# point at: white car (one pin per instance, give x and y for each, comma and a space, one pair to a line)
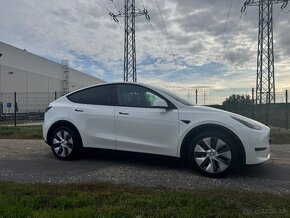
143, 118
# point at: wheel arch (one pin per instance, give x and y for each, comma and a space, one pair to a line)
59, 124
207, 127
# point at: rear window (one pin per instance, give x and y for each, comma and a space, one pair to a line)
75, 97
99, 95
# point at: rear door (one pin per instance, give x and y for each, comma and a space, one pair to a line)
142, 128
93, 114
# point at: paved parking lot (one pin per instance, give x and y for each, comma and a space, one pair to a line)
31, 161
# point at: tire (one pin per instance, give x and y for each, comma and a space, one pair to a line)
65, 143
214, 153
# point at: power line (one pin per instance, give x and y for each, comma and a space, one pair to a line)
142, 3
114, 4
275, 20
155, 34
164, 27
158, 12
101, 4
228, 15
157, 38
234, 35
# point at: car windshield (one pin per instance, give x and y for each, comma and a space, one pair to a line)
175, 97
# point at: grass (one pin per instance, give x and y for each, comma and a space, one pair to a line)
108, 200
278, 135
20, 132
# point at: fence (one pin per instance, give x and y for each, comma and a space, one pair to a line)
25, 108
276, 114
28, 108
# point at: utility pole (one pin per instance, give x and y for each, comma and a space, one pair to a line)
265, 82
129, 12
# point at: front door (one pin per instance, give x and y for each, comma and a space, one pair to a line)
142, 128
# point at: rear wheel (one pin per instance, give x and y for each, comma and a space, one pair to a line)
214, 153
65, 143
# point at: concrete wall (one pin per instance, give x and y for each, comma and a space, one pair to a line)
21, 71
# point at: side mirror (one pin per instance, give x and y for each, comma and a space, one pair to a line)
160, 103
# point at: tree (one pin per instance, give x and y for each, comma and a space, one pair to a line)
237, 100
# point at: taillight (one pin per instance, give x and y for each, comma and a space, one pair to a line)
47, 109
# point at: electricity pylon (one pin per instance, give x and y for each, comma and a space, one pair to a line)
129, 12
265, 83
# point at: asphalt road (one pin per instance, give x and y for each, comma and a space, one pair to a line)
30, 161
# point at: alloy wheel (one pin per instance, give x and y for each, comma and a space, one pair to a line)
212, 155
62, 143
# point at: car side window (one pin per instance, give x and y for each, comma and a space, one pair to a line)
99, 95
75, 97
135, 96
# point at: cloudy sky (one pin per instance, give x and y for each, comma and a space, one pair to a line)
202, 50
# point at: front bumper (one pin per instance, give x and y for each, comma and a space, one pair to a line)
44, 132
256, 143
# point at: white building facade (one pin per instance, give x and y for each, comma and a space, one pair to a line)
22, 71
28, 83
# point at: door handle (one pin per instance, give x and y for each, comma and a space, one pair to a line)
77, 110
123, 113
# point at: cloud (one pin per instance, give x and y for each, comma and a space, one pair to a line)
205, 53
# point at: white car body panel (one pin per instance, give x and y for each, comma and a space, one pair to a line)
148, 130
97, 123
61, 113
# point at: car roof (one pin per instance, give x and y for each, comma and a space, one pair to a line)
112, 83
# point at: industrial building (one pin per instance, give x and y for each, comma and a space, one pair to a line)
28, 83
22, 71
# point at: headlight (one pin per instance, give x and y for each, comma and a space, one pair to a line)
249, 124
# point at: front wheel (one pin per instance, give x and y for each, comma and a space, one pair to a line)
65, 143
214, 154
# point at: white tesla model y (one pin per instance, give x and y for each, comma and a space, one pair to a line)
147, 119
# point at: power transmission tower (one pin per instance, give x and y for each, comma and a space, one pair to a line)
265, 83
129, 12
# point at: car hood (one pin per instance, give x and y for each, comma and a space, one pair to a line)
204, 109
